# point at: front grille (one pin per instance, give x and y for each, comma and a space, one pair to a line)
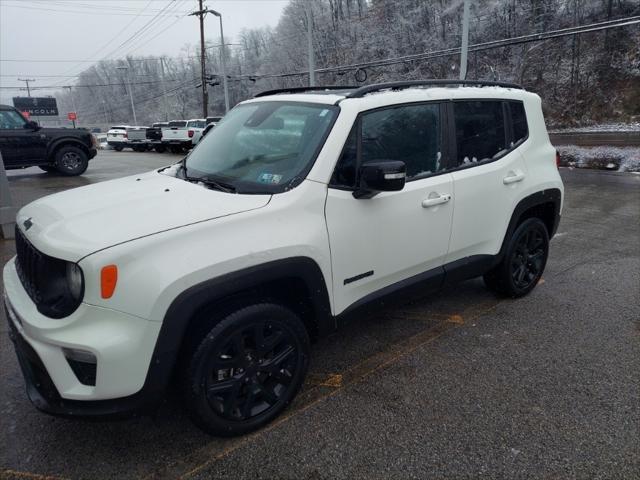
29, 264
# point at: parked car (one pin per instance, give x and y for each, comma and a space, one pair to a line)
296, 212
154, 136
117, 137
25, 144
175, 136
101, 140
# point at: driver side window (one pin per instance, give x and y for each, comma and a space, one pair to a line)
11, 120
409, 133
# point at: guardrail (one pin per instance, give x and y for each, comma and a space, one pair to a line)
596, 139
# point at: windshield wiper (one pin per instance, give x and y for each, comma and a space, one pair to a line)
208, 181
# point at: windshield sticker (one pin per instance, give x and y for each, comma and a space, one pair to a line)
270, 178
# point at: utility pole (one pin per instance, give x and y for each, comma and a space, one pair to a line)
312, 61
201, 13
164, 91
27, 80
106, 115
133, 107
464, 51
205, 100
73, 102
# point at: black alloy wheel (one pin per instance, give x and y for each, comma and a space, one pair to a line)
247, 369
524, 260
527, 259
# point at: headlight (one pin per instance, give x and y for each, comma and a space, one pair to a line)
75, 281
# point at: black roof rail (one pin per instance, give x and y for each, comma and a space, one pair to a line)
317, 88
362, 91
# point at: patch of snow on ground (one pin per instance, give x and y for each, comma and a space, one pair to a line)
604, 127
622, 159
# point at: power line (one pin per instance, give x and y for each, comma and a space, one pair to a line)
88, 12
49, 87
472, 48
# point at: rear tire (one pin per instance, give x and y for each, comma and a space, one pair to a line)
71, 161
118, 149
160, 149
174, 149
246, 370
523, 263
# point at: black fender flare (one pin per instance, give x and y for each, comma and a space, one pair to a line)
552, 195
73, 141
186, 304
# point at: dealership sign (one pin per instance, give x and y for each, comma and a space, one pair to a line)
37, 106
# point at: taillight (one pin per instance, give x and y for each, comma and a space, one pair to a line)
125, 135
557, 158
190, 133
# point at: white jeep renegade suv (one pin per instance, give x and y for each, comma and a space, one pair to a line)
299, 208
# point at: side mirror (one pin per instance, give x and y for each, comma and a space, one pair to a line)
31, 125
380, 176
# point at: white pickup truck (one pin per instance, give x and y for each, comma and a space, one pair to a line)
182, 134
137, 137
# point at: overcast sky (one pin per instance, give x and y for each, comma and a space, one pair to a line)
70, 34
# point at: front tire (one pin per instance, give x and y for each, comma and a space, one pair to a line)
48, 168
246, 370
525, 258
71, 161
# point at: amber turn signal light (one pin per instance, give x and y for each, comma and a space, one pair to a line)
108, 280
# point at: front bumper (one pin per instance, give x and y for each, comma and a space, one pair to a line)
122, 344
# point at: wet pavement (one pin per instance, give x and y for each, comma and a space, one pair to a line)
458, 385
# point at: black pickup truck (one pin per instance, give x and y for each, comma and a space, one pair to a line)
25, 144
154, 136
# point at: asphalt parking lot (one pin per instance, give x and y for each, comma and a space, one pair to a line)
460, 384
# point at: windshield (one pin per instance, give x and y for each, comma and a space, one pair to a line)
263, 147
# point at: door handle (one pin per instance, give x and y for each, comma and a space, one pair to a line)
435, 199
513, 177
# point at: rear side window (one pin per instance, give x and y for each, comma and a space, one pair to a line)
480, 131
177, 123
196, 124
518, 122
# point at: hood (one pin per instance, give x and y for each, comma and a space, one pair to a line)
75, 223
